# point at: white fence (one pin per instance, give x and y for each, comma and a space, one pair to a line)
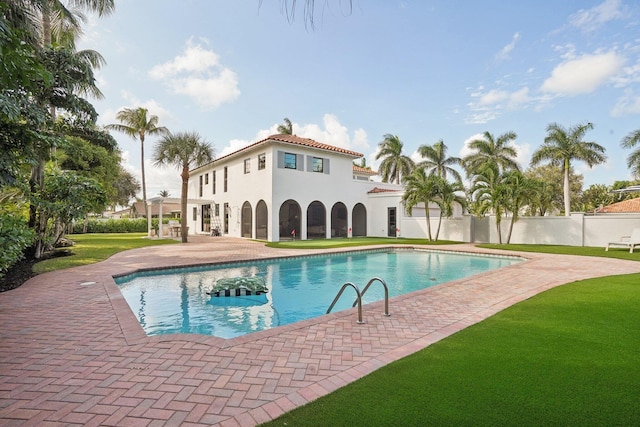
576, 230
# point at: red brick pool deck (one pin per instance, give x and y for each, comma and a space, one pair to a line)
73, 353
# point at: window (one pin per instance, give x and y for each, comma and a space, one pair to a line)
290, 161
247, 165
200, 186
262, 161
206, 179
226, 175
217, 209
317, 164
213, 178
195, 214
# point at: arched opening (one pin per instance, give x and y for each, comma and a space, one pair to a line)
262, 216
289, 220
359, 220
316, 221
246, 220
339, 220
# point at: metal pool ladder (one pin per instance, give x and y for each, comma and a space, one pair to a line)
359, 295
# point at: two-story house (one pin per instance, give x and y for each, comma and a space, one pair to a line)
286, 187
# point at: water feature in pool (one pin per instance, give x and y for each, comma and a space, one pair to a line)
176, 300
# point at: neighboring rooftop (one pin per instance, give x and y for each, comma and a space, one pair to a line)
364, 171
625, 206
383, 190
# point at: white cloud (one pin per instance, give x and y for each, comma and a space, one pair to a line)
199, 74
505, 51
584, 74
628, 104
493, 97
157, 179
591, 19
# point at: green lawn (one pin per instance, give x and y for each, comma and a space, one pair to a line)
92, 248
568, 356
619, 253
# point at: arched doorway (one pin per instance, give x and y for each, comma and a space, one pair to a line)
339, 221
289, 220
359, 220
262, 216
316, 221
246, 220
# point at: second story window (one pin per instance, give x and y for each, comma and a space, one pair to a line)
200, 186
226, 176
262, 161
213, 179
317, 164
206, 179
247, 165
290, 161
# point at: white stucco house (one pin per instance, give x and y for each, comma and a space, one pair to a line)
285, 187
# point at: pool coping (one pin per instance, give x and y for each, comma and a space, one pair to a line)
70, 353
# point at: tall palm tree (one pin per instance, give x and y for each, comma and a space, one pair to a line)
446, 195
633, 161
521, 191
184, 150
561, 146
135, 122
490, 193
286, 128
61, 24
492, 150
395, 165
437, 162
420, 188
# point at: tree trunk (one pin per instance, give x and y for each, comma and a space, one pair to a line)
567, 190
426, 204
513, 219
183, 203
498, 229
144, 181
439, 223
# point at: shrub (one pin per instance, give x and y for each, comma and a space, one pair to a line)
15, 237
138, 225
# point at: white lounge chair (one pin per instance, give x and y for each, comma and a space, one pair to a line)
627, 241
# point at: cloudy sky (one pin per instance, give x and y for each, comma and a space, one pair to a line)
424, 70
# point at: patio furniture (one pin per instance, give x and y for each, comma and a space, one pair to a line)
627, 241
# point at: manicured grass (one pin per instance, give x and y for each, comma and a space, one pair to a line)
568, 356
619, 253
355, 241
92, 248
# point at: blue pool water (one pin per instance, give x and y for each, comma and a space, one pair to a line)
176, 300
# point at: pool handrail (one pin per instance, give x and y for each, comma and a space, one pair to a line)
386, 294
358, 300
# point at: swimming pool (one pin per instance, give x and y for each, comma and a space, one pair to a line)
177, 300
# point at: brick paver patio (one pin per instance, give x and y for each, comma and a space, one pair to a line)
73, 353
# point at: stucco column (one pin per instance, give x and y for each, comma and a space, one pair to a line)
160, 234
149, 227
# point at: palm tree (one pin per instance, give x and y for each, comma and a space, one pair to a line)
420, 188
521, 191
561, 146
184, 150
633, 161
492, 150
446, 195
286, 128
395, 165
164, 193
61, 25
490, 193
437, 162
136, 123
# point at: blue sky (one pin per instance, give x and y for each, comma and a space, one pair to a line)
424, 70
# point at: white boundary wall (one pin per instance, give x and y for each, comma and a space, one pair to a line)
577, 230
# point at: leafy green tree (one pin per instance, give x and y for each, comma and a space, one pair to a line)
491, 150
420, 188
549, 198
184, 150
136, 123
126, 187
286, 128
436, 161
594, 197
521, 192
562, 146
395, 165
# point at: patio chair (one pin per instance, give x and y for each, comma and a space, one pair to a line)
627, 241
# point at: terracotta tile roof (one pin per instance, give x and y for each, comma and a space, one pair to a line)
290, 139
626, 206
364, 171
382, 190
